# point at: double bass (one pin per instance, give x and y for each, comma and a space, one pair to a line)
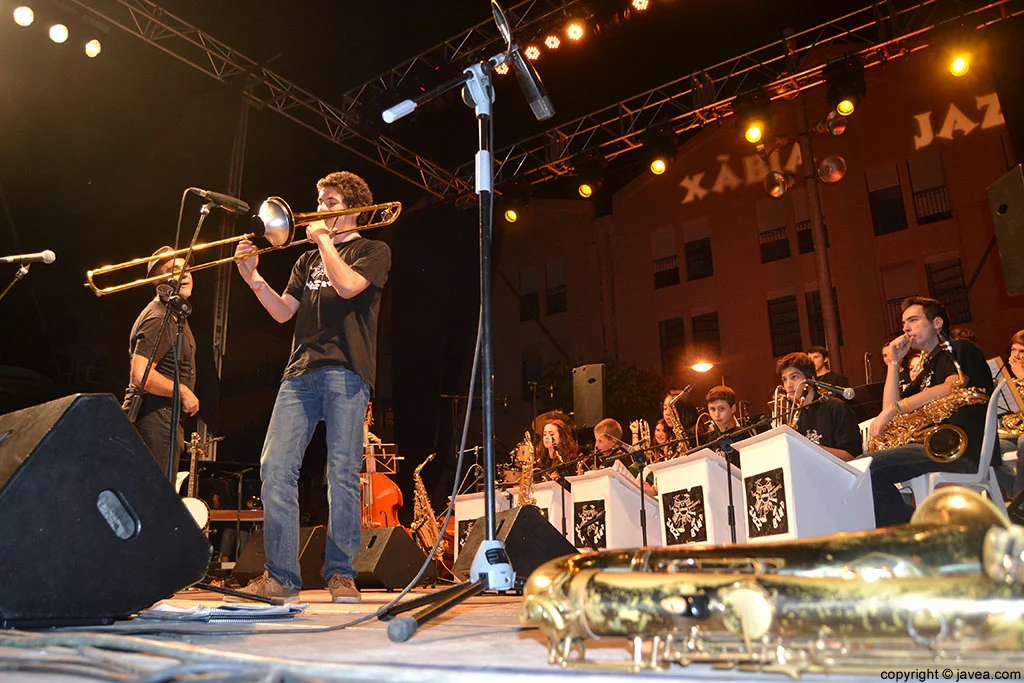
381, 497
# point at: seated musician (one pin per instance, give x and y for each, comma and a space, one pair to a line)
825, 420
721, 403
558, 445
1015, 368
923, 320
823, 367
680, 415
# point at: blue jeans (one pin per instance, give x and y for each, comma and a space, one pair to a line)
337, 396
899, 464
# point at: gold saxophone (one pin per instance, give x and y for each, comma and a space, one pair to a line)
947, 588
1012, 424
525, 458
678, 430
424, 522
942, 442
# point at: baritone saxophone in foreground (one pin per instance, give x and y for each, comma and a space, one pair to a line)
946, 589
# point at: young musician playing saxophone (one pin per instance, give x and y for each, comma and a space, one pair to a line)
825, 420
923, 321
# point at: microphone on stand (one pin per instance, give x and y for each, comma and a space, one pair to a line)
846, 392
531, 85
223, 201
40, 257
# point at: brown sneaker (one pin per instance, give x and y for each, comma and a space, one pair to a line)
268, 587
343, 589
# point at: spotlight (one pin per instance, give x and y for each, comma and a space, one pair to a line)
58, 33
960, 64
24, 16
589, 172
832, 169
574, 30
846, 86
659, 145
753, 115
835, 123
501, 69
640, 5
511, 215
959, 47
552, 42
515, 195
777, 184
92, 48
532, 52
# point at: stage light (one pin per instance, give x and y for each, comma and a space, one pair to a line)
24, 16
640, 5
515, 196
701, 366
777, 184
658, 166
659, 146
552, 42
589, 172
532, 52
753, 116
501, 69
511, 215
58, 33
832, 169
835, 123
93, 48
585, 190
846, 86
574, 30
960, 64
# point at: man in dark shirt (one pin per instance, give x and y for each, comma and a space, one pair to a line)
923, 321
153, 421
823, 368
824, 420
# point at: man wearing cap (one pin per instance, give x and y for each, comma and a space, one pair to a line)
154, 417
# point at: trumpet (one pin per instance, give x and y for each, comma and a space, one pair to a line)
784, 409
279, 223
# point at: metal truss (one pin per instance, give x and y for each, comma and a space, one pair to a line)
264, 88
878, 33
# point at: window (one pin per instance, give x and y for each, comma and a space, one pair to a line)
886, 200
946, 283
931, 199
666, 260
529, 294
771, 230
784, 324
556, 300
706, 340
815, 319
698, 259
532, 369
672, 335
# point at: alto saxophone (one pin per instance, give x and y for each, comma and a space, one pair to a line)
946, 589
678, 430
525, 458
424, 524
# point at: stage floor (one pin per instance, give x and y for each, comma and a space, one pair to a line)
481, 640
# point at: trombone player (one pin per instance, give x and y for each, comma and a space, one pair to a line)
334, 295
923, 321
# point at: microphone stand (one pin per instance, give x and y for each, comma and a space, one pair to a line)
22, 272
640, 458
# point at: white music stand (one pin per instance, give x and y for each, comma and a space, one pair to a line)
793, 488
469, 507
616, 495
548, 497
693, 498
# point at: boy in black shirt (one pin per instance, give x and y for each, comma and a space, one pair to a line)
825, 420
923, 321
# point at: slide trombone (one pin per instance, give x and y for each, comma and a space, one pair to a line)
279, 223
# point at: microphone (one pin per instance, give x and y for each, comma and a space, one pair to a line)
224, 201
531, 85
846, 392
403, 108
41, 257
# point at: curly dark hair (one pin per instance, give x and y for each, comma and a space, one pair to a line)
798, 360
353, 190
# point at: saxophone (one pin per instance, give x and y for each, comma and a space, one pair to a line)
525, 458
678, 430
942, 442
424, 524
948, 588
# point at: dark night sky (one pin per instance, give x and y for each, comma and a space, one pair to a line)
94, 154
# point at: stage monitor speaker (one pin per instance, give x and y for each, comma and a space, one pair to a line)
90, 528
1005, 55
530, 541
389, 558
312, 544
588, 395
1006, 200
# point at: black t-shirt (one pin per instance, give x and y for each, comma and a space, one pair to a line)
836, 379
331, 331
832, 424
143, 342
937, 367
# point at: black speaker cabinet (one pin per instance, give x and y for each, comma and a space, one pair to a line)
312, 544
1006, 200
90, 529
588, 395
530, 541
389, 558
